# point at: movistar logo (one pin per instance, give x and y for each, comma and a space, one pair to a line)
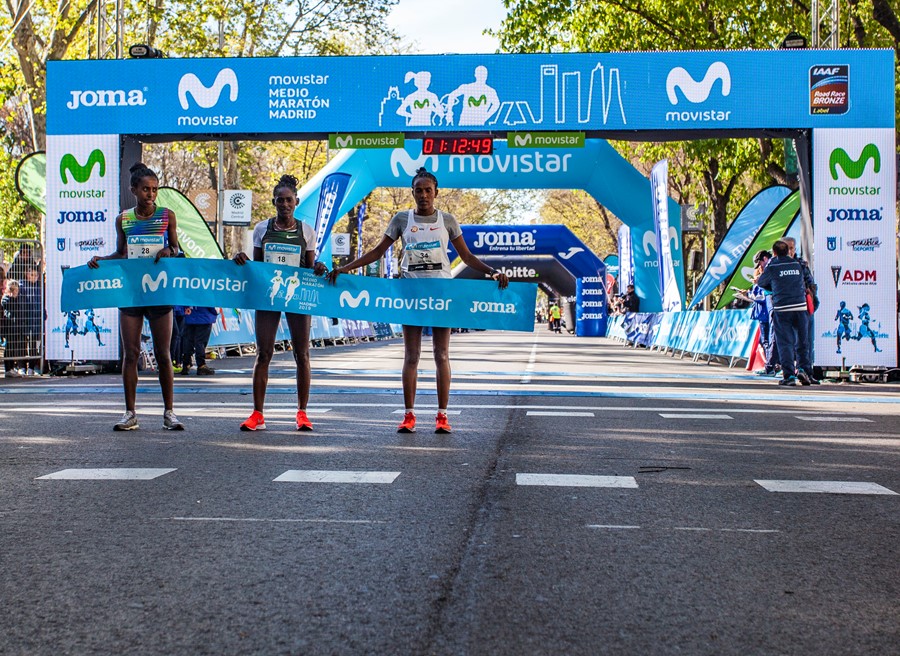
721, 268
353, 301
344, 142
522, 141
477, 102
419, 104
149, 284
573, 250
401, 159
81, 174
693, 91
649, 241
853, 168
204, 96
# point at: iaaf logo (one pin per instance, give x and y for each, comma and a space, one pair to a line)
68, 165
107, 98
204, 96
697, 92
505, 241
854, 168
402, 159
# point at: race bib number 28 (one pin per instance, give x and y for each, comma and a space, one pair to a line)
144, 246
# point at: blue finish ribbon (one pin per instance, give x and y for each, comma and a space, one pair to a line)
447, 303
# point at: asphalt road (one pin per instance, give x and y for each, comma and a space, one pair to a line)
591, 499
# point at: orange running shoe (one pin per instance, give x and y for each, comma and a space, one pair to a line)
408, 425
442, 424
303, 422
254, 422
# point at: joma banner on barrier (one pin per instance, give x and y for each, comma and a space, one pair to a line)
260, 286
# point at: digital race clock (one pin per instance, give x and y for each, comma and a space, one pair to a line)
457, 145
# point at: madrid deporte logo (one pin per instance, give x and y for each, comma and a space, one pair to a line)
854, 168
69, 166
204, 96
694, 91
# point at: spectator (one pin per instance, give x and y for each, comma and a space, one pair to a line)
631, 302
198, 323
792, 252
762, 310
13, 310
175, 346
788, 281
32, 294
555, 318
25, 259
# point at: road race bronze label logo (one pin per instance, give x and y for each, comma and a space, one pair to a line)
829, 89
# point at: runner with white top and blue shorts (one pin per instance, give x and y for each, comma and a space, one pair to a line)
425, 234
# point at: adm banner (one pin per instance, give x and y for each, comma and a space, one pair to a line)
260, 286
855, 258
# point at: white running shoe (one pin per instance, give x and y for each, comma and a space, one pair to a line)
170, 421
128, 422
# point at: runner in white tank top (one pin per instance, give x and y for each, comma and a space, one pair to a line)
425, 233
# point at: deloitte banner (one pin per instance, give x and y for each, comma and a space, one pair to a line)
82, 206
260, 286
418, 93
854, 194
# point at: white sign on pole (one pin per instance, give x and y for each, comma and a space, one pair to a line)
237, 206
854, 218
340, 243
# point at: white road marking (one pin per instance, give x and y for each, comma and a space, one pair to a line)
611, 526
551, 413
316, 476
825, 487
529, 368
402, 411
106, 474
847, 419
576, 480
683, 415
274, 520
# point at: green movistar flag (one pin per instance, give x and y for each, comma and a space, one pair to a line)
194, 235
772, 230
31, 180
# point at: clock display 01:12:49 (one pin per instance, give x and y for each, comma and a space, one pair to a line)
457, 145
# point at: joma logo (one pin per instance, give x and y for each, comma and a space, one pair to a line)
697, 92
504, 239
204, 96
107, 98
81, 174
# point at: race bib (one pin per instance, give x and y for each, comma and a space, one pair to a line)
286, 254
144, 246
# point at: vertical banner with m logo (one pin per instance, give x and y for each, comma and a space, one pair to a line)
334, 186
855, 221
659, 188
82, 205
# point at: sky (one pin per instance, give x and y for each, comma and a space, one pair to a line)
447, 26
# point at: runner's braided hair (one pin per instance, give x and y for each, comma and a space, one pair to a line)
287, 181
140, 171
421, 172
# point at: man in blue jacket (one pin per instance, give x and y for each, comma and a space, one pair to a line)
198, 323
788, 281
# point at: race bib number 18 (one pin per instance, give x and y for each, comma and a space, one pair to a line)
286, 254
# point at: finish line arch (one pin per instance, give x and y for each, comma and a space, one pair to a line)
837, 105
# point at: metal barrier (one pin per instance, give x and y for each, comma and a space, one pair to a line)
22, 311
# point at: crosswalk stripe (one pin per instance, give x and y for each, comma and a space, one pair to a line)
854, 420
550, 413
576, 480
825, 487
684, 415
121, 474
319, 476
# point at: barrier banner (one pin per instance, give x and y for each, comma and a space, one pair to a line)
260, 286
726, 333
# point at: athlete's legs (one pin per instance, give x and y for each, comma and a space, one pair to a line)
130, 329
298, 324
412, 348
161, 330
440, 341
266, 328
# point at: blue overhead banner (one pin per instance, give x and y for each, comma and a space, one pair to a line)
260, 286
712, 90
